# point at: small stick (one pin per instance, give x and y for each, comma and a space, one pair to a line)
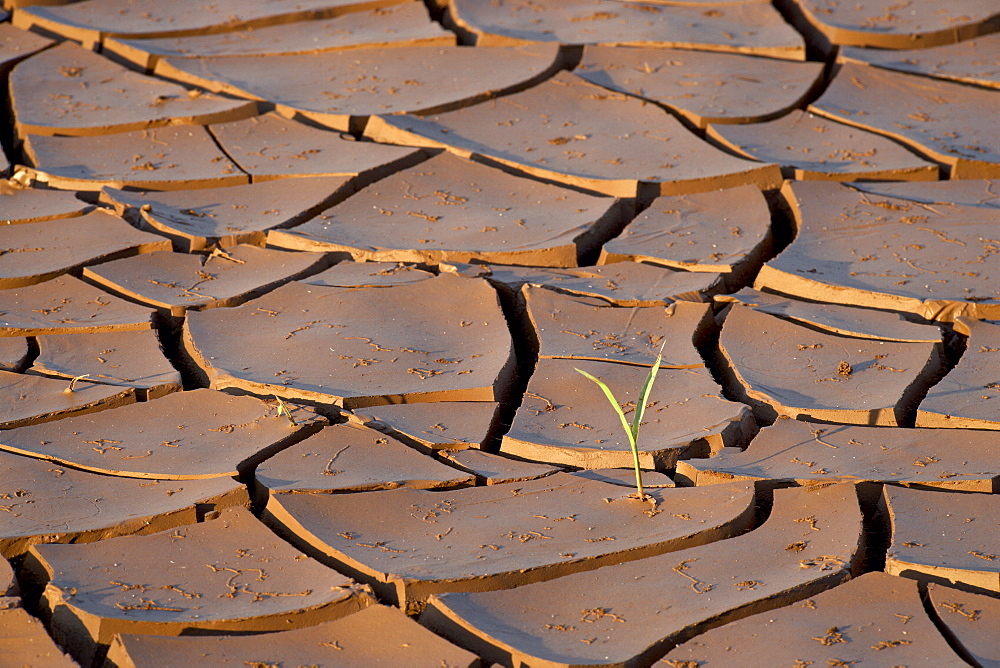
72, 383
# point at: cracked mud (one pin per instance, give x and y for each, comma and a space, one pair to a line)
293, 297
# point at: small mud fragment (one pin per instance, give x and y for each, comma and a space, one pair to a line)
184, 435
866, 619
969, 618
807, 453
29, 399
401, 24
32, 253
941, 119
132, 359
400, 641
166, 158
48, 503
619, 284
582, 328
618, 154
450, 425
744, 27
964, 62
700, 86
341, 89
964, 398
97, 20
834, 318
66, 305
810, 147
447, 342
175, 283
885, 24
104, 97
200, 220
28, 205
852, 248
237, 576
700, 233
368, 275
465, 212
785, 369
954, 543
271, 146
25, 640
497, 470
351, 458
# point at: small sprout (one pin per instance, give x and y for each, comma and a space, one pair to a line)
632, 430
72, 384
283, 408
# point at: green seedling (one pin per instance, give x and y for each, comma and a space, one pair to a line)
632, 430
72, 384
283, 410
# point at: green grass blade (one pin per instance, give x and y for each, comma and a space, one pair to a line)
283, 408
647, 387
614, 403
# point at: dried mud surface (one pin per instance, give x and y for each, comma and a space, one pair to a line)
295, 298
